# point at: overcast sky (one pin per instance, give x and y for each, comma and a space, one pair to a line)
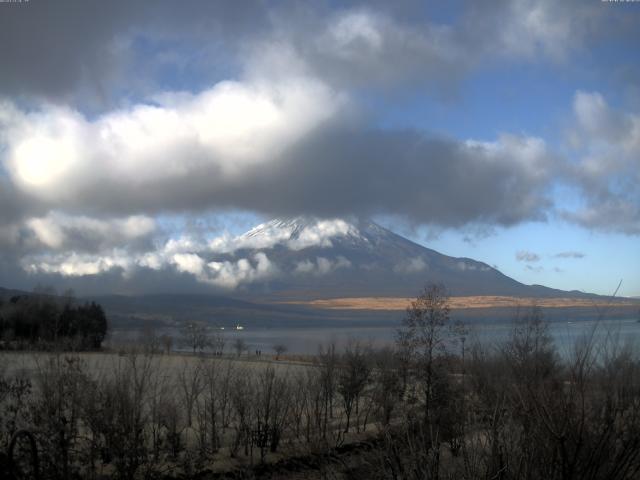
504, 131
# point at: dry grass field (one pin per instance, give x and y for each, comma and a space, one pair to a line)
470, 302
99, 363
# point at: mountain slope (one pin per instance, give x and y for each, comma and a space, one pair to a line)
337, 258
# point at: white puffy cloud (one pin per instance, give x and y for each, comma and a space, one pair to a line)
231, 274
58, 155
78, 245
226, 274
183, 244
606, 169
188, 255
76, 265
321, 265
189, 263
58, 231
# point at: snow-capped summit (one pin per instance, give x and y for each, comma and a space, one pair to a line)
310, 256
306, 231
298, 232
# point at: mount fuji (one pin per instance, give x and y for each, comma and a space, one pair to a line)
311, 258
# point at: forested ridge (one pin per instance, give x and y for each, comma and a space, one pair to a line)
43, 319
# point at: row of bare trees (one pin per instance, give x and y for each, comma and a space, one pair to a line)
141, 414
515, 410
197, 337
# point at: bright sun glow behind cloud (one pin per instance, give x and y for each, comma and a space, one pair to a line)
220, 133
41, 160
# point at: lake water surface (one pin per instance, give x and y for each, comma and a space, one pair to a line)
306, 340
301, 340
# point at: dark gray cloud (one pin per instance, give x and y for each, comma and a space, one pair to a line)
90, 48
14, 204
333, 172
429, 180
102, 50
50, 48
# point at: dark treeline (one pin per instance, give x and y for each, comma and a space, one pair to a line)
43, 319
436, 406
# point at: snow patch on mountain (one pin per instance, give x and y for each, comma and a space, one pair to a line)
471, 265
293, 233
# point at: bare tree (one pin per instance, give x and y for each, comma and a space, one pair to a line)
218, 343
191, 385
61, 383
241, 395
279, 349
149, 340
159, 388
530, 350
172, 419
239, 345
300, 401
167, 343
387, 393
122, 414
217, 382
271, 405
327, 362
194, 335
423, 338
352, 378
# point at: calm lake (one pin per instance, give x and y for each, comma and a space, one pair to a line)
303, 340
307, 340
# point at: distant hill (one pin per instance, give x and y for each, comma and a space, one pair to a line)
6, 293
